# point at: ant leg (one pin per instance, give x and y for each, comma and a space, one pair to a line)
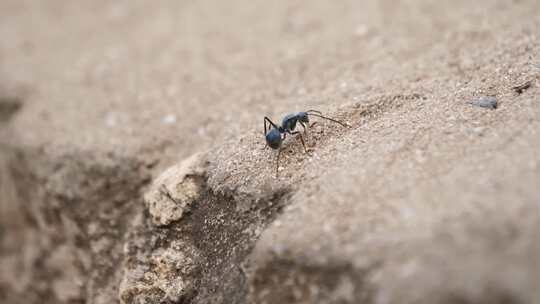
277, 162
309, 126
304, 127
302, 139
267, 120
303, 143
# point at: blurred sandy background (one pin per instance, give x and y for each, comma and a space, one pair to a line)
425, 199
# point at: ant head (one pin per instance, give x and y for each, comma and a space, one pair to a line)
273, 138
303, 117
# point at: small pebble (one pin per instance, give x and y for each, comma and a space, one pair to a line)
488, 102
111, 119
361, 30
479, 131
169, 119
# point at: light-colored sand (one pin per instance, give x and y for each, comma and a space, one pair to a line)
424, 199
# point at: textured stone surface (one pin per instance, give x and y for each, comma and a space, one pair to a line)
173, 192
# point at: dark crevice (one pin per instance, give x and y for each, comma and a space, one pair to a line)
8, 107
225, 236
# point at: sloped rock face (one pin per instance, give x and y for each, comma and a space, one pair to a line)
198, 256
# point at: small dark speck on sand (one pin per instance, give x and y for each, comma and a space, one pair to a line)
8, 107
522, 87
488, 102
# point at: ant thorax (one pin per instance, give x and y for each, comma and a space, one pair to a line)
289, 122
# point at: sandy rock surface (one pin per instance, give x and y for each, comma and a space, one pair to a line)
133, 167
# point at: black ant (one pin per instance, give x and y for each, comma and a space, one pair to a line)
276, 135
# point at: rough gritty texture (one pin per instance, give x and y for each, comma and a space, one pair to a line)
424, 199
197, 257
173, 192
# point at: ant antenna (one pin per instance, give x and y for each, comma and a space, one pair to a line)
312, 113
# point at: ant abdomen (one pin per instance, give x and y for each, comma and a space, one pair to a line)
273, 138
